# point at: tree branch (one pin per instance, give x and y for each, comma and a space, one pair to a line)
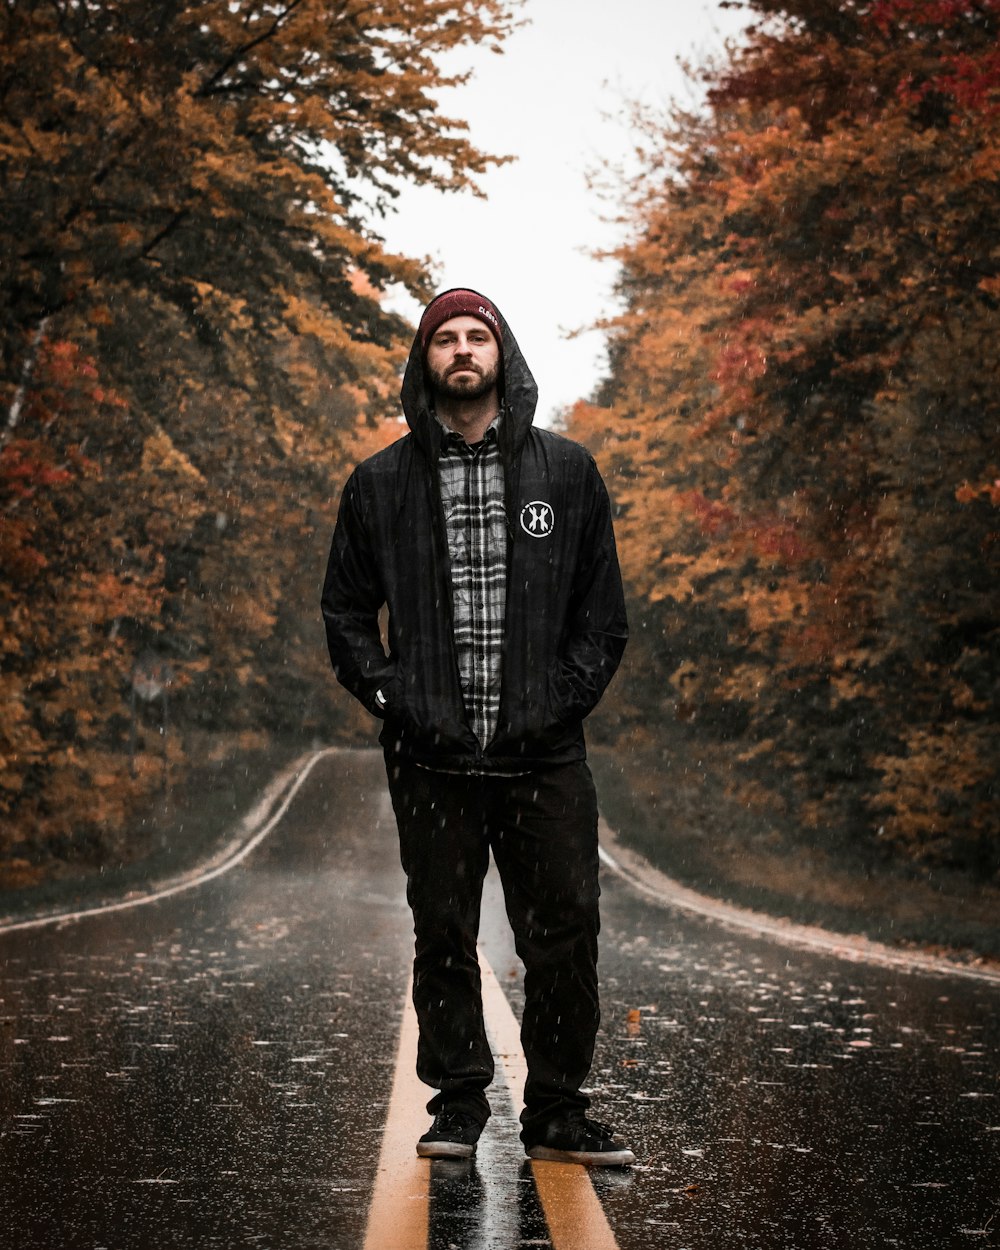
209, 84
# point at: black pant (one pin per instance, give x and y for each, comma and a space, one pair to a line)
542, 828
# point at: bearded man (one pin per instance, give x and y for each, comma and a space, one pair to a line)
490, 540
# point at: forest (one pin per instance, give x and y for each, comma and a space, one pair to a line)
799, 423
193, 354
801, 420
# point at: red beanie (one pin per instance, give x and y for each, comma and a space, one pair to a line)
459, 303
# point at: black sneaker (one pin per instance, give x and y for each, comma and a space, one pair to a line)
579, 1140
453, 1135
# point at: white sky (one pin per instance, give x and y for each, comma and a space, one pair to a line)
557, 99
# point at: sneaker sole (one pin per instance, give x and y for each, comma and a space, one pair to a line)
589, 1158
445, 1150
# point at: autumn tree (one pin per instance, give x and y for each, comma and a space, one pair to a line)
802, 416
194, 343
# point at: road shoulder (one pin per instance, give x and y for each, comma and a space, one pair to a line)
655, 885
679, 817
618, 855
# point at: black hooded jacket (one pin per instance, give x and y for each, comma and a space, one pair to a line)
565, 627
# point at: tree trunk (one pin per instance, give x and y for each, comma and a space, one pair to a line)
17, 404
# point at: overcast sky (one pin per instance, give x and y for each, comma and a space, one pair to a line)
556, 99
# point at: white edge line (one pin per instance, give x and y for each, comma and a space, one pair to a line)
290, 780
851, 947
666, 892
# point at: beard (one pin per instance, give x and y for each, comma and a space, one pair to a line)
472, 385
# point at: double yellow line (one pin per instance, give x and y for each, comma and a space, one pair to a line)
399, 1214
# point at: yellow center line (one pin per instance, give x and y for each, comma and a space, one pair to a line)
400, 1206
399, 1216
573, 1212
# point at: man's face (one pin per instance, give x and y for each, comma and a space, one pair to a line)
463, 359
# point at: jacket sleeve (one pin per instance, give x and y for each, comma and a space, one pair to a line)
597, 627
352, 598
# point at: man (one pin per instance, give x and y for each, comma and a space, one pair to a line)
491, 543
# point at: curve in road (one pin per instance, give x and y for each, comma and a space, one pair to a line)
632, 868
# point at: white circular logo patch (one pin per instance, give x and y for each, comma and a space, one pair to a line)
537, 519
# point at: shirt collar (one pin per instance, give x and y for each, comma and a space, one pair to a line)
452, 438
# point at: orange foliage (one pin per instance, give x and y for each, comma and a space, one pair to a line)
801, 413
193, 351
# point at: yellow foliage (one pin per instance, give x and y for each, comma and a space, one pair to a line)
802, 386
747, 682
921, 786
160, 454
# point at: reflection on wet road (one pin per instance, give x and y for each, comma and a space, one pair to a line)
216, 1069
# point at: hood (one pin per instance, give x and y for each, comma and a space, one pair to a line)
518, 391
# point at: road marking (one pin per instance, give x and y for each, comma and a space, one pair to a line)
573, 1212
631, 867
400, 1207
399, 1214
251, 834
666, 892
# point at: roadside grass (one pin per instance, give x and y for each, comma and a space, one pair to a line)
186, 823
673, 803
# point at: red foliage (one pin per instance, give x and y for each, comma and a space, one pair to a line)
742, 359
918, 48
929, 13
23, 470
69, 376
65, 386
713, 516
974, 81
769, 536
961, 37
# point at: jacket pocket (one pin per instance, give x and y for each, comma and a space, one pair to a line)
533, 722
425, 722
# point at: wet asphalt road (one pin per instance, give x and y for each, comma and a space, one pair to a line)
213, 1070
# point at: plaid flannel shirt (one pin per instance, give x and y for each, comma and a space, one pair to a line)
472, 493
